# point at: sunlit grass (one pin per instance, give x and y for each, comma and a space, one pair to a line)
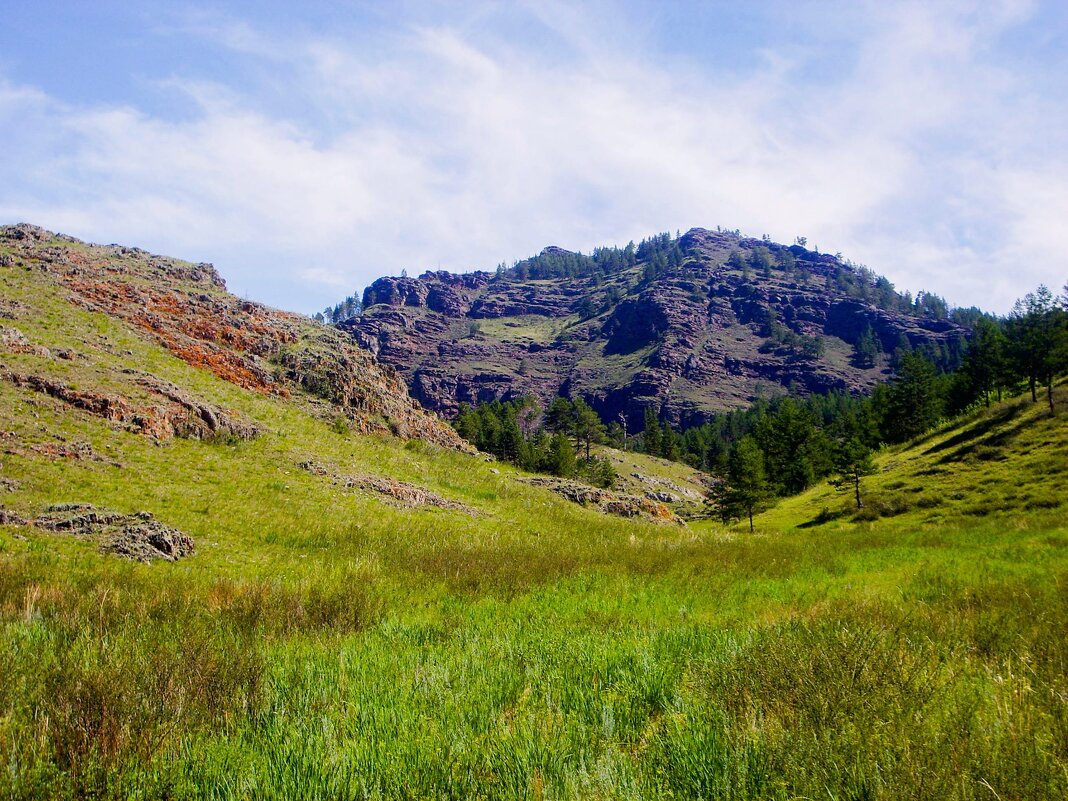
323, 644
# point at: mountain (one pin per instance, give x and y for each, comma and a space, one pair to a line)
690, 325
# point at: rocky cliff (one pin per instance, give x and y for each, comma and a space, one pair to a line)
694, 325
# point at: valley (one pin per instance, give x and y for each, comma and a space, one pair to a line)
367, 608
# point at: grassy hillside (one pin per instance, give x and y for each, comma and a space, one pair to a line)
323, 643
1008, 461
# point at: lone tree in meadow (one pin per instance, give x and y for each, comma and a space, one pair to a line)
746, 485
851, 463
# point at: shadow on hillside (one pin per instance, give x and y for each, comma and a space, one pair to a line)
825, 516
996, 420
989, 448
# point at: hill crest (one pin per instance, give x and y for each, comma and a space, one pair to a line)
691, 325
185, 307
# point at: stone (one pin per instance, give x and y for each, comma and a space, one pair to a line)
138, 536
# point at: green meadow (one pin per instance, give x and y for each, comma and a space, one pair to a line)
322, 644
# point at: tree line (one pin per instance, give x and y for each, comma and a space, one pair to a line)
782, 446
557, 440
345, 310
658, 253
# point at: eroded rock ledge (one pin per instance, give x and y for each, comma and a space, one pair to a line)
179, 416
396, 493
138, 536
607, 501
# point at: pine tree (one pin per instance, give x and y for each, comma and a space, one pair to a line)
795, 447
468, 424
746, 479
561, 415
866, 348
983, 365
913, 400
760, 259
1034, 341
901, 347
561, 459
670, 443
851, 463
651, 433
512, 445
599, 472
588, 426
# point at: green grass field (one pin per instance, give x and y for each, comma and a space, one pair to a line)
324, 645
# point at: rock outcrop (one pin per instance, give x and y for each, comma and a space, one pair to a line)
400, 494
179, 415
608, 501
689, 338
138, 536
186, 308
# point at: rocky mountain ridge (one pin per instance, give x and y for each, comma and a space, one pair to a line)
702, 323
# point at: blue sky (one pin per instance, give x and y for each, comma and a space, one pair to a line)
307, 149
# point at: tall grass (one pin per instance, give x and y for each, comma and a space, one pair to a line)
122, 684
323, 645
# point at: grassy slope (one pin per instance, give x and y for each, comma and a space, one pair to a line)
640, 474
1009, 460
324, 645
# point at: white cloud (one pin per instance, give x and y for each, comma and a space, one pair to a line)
447, 147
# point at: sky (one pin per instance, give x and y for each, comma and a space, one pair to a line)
308, 148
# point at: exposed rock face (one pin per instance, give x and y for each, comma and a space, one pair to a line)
179, 416
634, 324
186, 308
186, 416
396, 493
699, 337
137, 536
608, 501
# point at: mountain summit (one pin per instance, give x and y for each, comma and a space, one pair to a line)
689, 325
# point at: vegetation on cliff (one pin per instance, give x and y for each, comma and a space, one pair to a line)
690, 325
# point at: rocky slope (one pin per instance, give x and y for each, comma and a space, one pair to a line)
690, 335
186, 308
